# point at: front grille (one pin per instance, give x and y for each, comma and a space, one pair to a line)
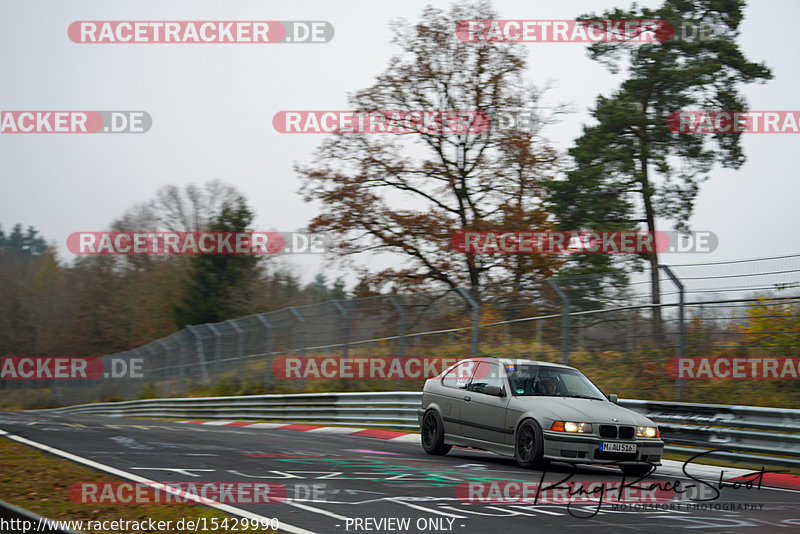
608, 431
626, 432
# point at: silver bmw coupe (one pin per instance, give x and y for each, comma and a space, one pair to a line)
536, 412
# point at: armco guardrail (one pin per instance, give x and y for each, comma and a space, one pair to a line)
743, 433
392, 409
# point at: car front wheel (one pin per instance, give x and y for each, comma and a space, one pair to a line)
432, 431
529, 444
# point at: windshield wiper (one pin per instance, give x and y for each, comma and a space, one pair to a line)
581, 397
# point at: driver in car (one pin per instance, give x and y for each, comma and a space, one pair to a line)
550, 386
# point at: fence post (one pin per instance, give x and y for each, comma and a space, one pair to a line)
303, 323
268, 348
125, 388
59, 394
152, 366
476, 317
182, 360
137, 383
681, 326
564, 321
401, 329
344, 312
239, 349
164, 372
631, 325
201, 359
218, 346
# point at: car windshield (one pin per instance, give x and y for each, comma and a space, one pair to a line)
531, 380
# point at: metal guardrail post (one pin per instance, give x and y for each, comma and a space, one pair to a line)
476, 318
267, 348
681, 325
201, 359
539, 331
303, 324
564, 321
239, 348
401, 328
346, 314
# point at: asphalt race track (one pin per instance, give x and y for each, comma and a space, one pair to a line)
340, 483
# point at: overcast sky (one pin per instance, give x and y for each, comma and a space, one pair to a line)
212, 109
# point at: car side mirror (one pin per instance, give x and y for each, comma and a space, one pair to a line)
496, 391
613, 398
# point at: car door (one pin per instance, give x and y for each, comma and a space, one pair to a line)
483, 416
451, 394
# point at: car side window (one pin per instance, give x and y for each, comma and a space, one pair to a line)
486, 374
459, 376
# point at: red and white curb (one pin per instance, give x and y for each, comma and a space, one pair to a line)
374, 433
668, 467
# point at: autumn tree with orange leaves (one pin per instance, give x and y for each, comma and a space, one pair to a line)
407, 194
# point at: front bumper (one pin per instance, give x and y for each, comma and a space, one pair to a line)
586, 449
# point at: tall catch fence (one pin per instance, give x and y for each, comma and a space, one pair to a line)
747, 311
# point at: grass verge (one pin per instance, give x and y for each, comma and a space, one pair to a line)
40, 483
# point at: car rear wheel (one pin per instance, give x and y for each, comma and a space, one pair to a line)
529, 444
433, 434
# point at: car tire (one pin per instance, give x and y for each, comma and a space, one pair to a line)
635, 470
432, 431
529, 444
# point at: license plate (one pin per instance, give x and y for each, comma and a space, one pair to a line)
617, 447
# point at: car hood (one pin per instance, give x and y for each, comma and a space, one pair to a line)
586, 410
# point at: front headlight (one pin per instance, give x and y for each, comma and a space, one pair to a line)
569, 426
647, 432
